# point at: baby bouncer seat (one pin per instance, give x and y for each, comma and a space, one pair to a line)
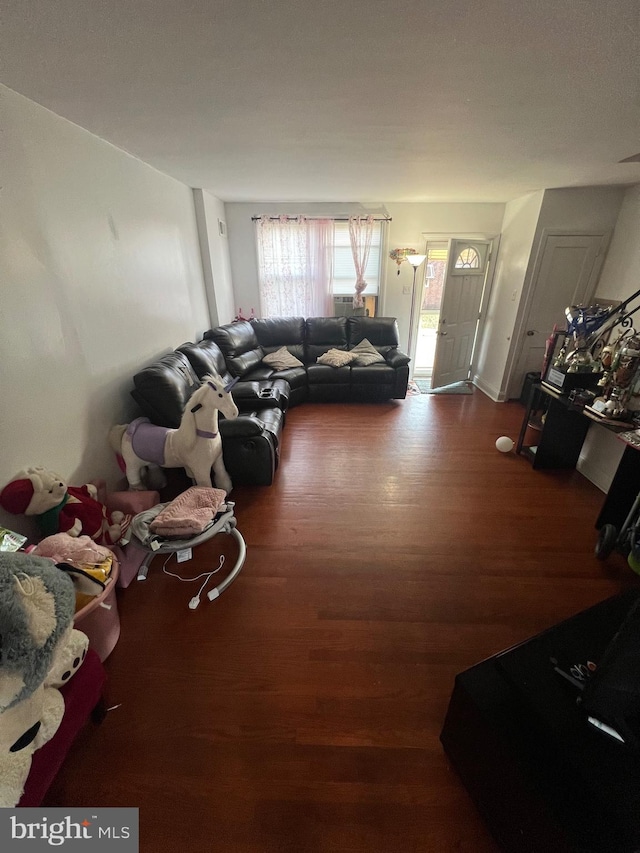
154, 543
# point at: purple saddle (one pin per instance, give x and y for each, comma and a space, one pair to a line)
147, 440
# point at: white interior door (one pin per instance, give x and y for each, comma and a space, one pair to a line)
566, 272
460, 310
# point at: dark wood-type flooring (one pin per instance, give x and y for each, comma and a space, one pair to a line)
301, 710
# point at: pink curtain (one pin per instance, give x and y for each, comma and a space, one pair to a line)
360, 234
295, 266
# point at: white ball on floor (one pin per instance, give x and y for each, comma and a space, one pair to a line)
504, 444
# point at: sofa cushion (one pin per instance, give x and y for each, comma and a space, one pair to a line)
325, 374
366, 354
382, 332
295, 376
324, 333
239, 346
336, 358
272, 333
281, 359
163, 389
373, 374
206, 357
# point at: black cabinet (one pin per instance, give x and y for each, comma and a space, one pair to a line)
552, 434
558, 428
543, 778
622, 491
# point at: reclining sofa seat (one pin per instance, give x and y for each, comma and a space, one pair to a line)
244, 345
206, 357
250, 442
243, 352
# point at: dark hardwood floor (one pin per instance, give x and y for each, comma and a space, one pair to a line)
301, 711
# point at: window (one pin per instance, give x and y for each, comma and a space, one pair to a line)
344, 271
468, 259
289, 273
471, 258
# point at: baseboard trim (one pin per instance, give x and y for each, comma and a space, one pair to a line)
489, 390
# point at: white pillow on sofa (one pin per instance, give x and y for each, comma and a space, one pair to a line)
281, 359
365, 353
336, 357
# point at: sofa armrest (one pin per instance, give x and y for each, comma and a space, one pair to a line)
240, 427
396, 358
252, 395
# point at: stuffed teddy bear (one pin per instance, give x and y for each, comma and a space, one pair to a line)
40, 652
61, 508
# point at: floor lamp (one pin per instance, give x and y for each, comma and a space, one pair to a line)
415, 261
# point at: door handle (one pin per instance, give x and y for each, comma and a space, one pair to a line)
442, 334
530, 333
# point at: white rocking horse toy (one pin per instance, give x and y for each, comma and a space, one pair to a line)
196, 444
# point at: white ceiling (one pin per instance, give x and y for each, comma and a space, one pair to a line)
344, 100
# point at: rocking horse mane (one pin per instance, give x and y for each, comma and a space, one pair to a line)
198, 395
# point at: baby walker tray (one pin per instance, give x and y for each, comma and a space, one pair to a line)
223, 522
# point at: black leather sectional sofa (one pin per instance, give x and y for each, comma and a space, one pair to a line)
251, 442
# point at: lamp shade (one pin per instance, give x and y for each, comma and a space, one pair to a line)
416, 260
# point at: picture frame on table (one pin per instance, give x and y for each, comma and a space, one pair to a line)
553, 377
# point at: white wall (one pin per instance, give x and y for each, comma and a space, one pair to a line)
513, 261
581, 208
101, 273
619, 280
575, 210
214, 253
410, 223
621, 272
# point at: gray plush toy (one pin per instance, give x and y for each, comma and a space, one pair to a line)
39, 651
37, 603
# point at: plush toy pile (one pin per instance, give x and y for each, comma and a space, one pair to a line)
59, 508
88, 565
39, 651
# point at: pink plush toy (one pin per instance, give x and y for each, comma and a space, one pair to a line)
61, 508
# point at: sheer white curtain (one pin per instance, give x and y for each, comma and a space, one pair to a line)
360, 234
295, 266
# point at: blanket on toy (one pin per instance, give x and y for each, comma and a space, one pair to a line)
189, 514
148, 440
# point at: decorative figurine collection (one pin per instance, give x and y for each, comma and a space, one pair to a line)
587, 347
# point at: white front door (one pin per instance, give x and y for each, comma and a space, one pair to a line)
460, 310
566, 271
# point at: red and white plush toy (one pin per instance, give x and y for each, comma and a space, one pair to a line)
59, 508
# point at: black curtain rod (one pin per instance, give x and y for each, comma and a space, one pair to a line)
335, 218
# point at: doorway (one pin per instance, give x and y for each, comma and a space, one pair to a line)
464, 289
449, 295
430, 299
567, 269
